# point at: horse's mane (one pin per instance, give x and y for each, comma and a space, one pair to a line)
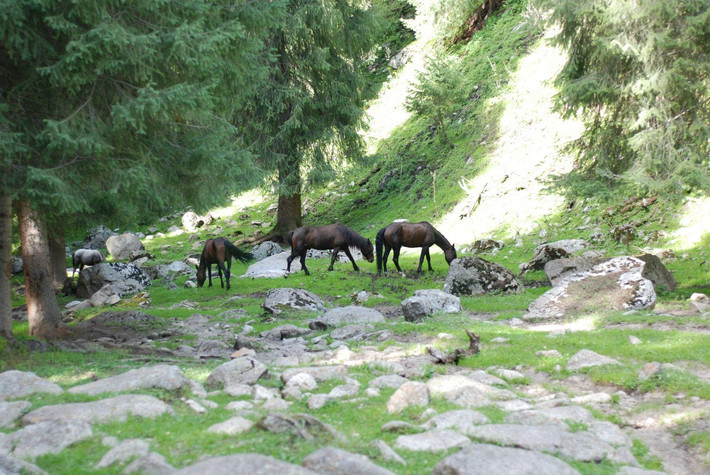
440, 240
353, 238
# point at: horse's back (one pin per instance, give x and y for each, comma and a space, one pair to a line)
410, 234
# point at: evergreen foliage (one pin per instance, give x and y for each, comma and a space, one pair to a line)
639, 76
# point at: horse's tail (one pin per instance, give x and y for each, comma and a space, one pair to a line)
379, 242
238, 253
289, 237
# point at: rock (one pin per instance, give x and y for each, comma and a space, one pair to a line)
244, 370
278, 300
233, 426
124, 279
16, 384
548, 354
388, 381
17, 264
104, 297
476, 276
244, 464
349, 332
158, 377
434, 441
319, 373
396, 62
552, 416
317, 401
700, 303
332, 461
272, 267
121, 247
649, 370
656, 272
486, 245
465, 392
49, 437
551, 251
303, 382
427, 302
485, 459
594, 398
616, 284
624, 233
303, 426
152, 463
105, 410
558, 269
634, 340
11, 466
461, 421
412, 393
11, 411
191, 221
125, 451
265, 249
509, 374
588, 359
338, 317
387, 453
97, 238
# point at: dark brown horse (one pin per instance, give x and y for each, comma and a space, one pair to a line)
422, 235
333, 236
218, 251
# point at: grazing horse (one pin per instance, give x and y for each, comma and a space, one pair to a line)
333, 236
423, 235
85, 257
218, 251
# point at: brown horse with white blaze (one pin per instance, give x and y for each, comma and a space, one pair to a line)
218, 251
396, 235
333, 236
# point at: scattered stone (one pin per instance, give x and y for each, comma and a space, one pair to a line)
121, 247
339, 317
412, 393
700, 303
265, 249
343, 391
476, 276
124, 279
278, 300
351, 332
125, 451
11, 466
500, 339
302, 381
548, 354
656, 272
552, 251
484, 459
387, 453
486, 245
388, 381
16, 384
433, 441
233, 426
275, 404
96, 239
244, 370
509, 374
11, 411
319, 373
634, 340
152, 463
317, 401
460, 420
104, 297
594, 398
588, 359
272, 267
49, 437
649, 370
244, 463
427, 302
334, 461
17, 265
302, 425
159, 377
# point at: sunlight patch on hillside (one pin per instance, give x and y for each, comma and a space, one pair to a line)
239, 203
508, 197
694, 222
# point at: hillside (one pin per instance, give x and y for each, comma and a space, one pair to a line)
152, 383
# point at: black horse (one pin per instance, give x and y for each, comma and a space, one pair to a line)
218, 251
333, 236
85, 257
423, 235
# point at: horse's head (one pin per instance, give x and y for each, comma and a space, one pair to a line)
201, 275
450, 254
368, 252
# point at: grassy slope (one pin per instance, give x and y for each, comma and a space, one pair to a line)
414, 154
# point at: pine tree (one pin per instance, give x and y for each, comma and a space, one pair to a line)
113, 108
639, 75
308, 114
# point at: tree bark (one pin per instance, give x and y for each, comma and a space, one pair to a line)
6, 266
42, 308
58, 257
288, 214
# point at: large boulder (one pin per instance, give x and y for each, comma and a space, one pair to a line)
427, 302
558, 269
476, 276
97, 238
191, 220
272, 267
121, 247
617, 284
338, 317
278, 300
551, 251
124, 279
656, 272
265, 249
17, 264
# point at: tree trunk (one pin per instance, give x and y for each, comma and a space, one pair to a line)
288, 214
42, 308
58, 258
6, 266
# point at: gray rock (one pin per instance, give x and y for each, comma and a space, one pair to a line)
284, 332
16, 384
349, 332
465, 392
388, 381
244, 370
234, 426
637, 471
332, 461
486, 245
593, 398
49, 437
588, 359
485, 459
303, 382
303, 426
104, 297
649, 370
319, 373
159, 377
11, 466
338, 317
428, 302
548, 354
343, 391
412, 393
461, 421
17, 264
558, 269
11, 411
656, 272
123, 452
551, 251
121, 247
434, 441
278, 300
272, 267
700, 303
265, 249
252, 464
610, 433
97, 237
124, 279
387, 453
552, 416
113, 409
152, 463
476, 276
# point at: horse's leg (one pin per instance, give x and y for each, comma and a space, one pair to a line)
428, 259
333, 257
385, 256
350, 256
395, 257
221, 268
209, 273
303, 262
424, 253
290, 258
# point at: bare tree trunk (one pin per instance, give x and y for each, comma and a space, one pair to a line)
58, 257
288, 214
42, 309
6, 266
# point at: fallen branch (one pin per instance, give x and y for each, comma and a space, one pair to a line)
453, 357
